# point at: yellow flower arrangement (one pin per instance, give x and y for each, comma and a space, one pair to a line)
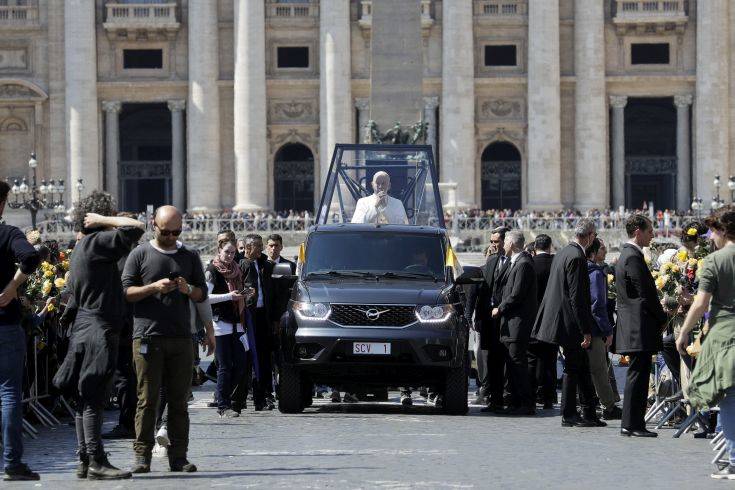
682, 255
59, 282
660, 282
610, 279
675, 268
692, 263
50, 308
48, 274
46, 288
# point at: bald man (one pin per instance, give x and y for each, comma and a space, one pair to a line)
380, 208
161, 277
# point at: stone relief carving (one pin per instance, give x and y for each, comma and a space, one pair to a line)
493, 109
13, 124
293, 135
292, 111
14, 91
13, 59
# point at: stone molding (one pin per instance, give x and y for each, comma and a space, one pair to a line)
111, 106
618, 101
684, 100
176, 105
292, 111
362, 103
493, 109
431, 102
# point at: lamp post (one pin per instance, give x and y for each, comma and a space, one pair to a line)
697, 206
49, 195
731, 186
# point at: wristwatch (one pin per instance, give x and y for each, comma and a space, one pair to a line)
189, 290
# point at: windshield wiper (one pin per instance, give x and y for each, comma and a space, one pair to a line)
341, 274
415, 275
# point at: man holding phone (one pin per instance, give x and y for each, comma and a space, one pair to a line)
160, 277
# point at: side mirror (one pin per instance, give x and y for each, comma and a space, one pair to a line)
283, 271
471, 275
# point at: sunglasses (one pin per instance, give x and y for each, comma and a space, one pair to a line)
169, 232
494, 241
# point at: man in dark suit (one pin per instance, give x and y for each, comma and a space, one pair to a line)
490, 358
517, 311
281, 287
257, 271
640, 321
565, 318
542, 356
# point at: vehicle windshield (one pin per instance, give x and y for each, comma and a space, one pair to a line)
368, 254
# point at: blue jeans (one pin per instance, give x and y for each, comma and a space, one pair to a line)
12, 355
727, 420
230, 355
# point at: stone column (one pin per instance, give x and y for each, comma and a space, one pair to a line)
683, 153
57, 148
618, 103
251, 142
711, 114
112, 146
178, 170
458, 100
544, 105
590, 123
362, 104
335, 91
430, 105
80, 64
203, 109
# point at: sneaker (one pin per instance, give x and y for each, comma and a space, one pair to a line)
82, 466
101, 469
162, 437
119, 432
142, 464
181, 465
160, 451
20, 473
350, 398
726, 473
228, 413
335, 397
406, 400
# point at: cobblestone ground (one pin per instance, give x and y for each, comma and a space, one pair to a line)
371, 445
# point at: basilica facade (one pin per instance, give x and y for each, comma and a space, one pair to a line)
219, 104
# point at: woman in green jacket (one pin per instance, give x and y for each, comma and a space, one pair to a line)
713, 379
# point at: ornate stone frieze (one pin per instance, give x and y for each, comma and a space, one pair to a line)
13, 124
292, 111
14, 91
293, 135
492, 109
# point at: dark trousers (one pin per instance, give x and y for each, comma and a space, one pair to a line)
482, 372
126, 385
264, 350
542, 369
88, 423
635, 395
494, 370
12, 356
230, 367
168, 361
516, 367
577, 376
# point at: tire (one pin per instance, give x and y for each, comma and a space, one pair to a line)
380, 394
291, 398
455, 392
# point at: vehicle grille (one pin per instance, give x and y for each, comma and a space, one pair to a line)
390, 315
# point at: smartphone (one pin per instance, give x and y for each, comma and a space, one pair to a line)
173, 276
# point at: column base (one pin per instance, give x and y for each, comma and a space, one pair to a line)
203, 210
249, 208
543, 206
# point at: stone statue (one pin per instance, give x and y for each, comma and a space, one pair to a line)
419, 132
372, 135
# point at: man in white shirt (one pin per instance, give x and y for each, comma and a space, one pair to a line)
380, 208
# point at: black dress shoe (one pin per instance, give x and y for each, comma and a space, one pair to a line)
577, 422
613, 413
119, 432
637, 433
548, 406
596, 421
492, 409
520, 411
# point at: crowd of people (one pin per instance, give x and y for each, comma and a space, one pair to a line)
138, 313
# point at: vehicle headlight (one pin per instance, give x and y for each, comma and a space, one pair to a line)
434, 314
311, 311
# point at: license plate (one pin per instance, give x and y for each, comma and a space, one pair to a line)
371, 348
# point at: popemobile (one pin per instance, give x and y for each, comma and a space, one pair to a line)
377, 299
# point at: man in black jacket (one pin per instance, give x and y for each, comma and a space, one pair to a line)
489, 295
542, 356
14, 249
640, 321
565, 318
517, 311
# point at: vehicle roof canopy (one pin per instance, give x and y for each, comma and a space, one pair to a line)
413, 182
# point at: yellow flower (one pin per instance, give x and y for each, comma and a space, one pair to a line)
655, 274
50, 308
65, 265
692, 263
660, 282
59, 282
648, 260
48, 273
46, 288
692, 232
700, 262
682, 255
610, 279
665, 268
675, 268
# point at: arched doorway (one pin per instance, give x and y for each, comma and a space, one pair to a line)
650, 153
293, 175
501, 176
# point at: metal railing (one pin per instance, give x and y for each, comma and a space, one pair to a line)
18, 14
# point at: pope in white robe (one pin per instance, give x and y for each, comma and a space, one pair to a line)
380, 208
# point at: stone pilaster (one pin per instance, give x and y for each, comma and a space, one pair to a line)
362, 105
335, 91
458, 100
251, 143
178, 169
683, 153
618, 103
80, 61
590, 123
711, 112
202, 113
430, 105
57, 149
112, 146
544, 105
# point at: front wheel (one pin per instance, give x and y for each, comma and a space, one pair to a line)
455, 392
291, 397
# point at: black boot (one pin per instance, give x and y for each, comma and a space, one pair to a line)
181, 465
83, 465
142, 464
101, 469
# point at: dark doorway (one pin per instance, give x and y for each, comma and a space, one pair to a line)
501, 177
145, 156
650, 153
293, 174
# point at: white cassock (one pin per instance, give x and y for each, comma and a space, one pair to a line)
368, 211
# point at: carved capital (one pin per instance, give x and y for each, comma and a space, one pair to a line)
111, 106
618, 101
176, 105
431, 103
683, 100
362, 103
